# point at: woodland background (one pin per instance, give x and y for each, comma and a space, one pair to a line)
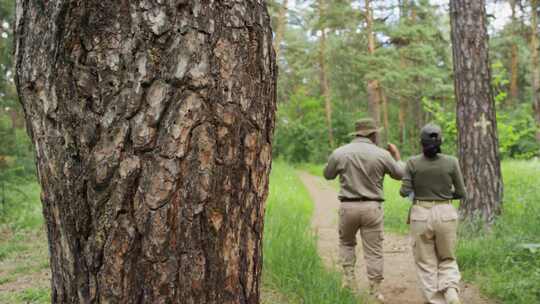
325, 63
326, 60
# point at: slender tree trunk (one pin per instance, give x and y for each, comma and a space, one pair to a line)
386, 123
323, 77
402, 121
403, 106
514, 73
374, 101
152, 124
477, 125
417, 107
281, 26
535, 70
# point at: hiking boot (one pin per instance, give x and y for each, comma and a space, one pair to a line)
451, 296
375, 291
349, 279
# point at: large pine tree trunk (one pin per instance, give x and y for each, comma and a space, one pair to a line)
535, 68
152, 123
374, 96
478, 142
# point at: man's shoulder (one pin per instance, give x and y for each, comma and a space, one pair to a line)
362, 147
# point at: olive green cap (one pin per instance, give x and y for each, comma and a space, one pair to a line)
431, 131
365, 127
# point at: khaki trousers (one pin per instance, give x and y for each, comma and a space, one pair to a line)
433, 233
368, 218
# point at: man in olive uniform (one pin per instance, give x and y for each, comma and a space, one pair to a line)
433, 180
361, 166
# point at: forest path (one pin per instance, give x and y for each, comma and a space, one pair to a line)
399, 286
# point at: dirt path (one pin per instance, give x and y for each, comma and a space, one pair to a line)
399, 286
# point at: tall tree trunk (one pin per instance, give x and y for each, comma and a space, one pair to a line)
374, 101
402, 121
323, 76
534, 65
417, 106
403, 106
281, 26
152, 125
514, 90
325, 87
476, 120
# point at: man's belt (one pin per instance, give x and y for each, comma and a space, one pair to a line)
359, 199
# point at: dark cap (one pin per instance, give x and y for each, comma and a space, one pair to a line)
431, 131
365, 127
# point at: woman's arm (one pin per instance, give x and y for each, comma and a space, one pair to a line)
459, 184
407, 187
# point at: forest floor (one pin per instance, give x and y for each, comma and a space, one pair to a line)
399, 286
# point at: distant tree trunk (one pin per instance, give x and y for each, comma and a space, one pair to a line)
514, 76
323, 76
403, 106
477, 125
152, 124
281, 26
402, 120
386, 123
535, 70
374, 100
417, 107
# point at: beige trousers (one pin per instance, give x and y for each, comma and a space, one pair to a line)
433, 233
366, 217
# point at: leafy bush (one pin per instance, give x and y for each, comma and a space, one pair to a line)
516, 130
301, 130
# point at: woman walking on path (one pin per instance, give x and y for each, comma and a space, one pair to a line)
432, 180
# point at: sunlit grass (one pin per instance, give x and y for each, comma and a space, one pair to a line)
291, 261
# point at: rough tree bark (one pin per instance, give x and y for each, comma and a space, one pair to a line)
323, 76
477, 125
281, 26
514, 64
535, 68
374, 100
152, 122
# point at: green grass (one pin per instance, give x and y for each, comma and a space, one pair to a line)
21, 209
493, 260
40, 295
24, 258
291, 262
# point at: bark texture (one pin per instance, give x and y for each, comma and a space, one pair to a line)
152, 122
478, 142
